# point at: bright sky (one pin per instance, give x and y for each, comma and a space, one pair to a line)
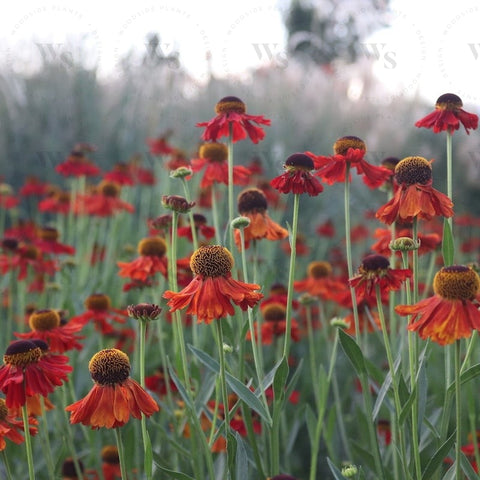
432, 47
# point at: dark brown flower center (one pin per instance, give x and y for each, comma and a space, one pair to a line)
152, 247
390, 163
341, 146
449, 101
44, 320
211, 261
413, 170
98, 302
251, 200
230, 104
31, 252
375, 262
22, 353
299, 161
109, 367
48, 234
68, 469
110, 189
215, 152
109, 454
9, 243
3, 410
319, 269
274, 312
457, 282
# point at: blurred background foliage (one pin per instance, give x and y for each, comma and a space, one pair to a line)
308, 96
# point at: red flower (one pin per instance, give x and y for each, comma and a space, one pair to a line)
213, 156
46, 325
47, 242
100, 311
448, 115
375, 270
157, 383
349, 151
200, 225
27, 371
159, 145
152, 259
252, 203
114, 397
414, 196
110, 463
121, 174
104, 202
319, 281
297, 178
326, 229
33, 186
56, 202
452, 312
11, 426
77, 165
210, 294
231, 114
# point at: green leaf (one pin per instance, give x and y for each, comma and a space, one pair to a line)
173, 474
311, 421
180, 387
353, 352
232, 450
280, 380
448, 247
381, 396
241, 465
337, 474
466, 376
438, 458
242, 391
148, 457
467, 467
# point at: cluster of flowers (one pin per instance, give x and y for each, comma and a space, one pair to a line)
35, 363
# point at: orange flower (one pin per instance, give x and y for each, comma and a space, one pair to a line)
448, 115
451, 313
213, 156
414, 195
46, 325
319, 281
231, 114
252, 203
114, 397
211, 292
349, 151
10, 426
28, 371
110, 463
152, 259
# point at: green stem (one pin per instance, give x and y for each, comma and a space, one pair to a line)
291, 276
230, 185
190, 214
391, 366
46, 439
7, 466
121, 453
216, 223
458, 413
348, 246
223, 386
322, 405
449, 173
28, 442
147, 447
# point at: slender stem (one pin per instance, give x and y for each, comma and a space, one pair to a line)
391, 365
46, 439
145, 437
121, 453
230, 184
449, 173
28, 442
216, 223
348, 246
223, 384
291, 276
458, 413
322, 406
7, 466
190, 214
